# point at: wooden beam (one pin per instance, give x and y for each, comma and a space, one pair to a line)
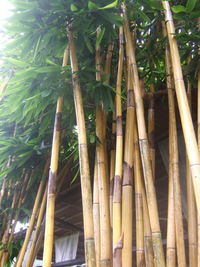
68, 263
68, 225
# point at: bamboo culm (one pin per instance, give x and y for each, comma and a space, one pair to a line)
184, 110
118, 160
83, 158
145, 152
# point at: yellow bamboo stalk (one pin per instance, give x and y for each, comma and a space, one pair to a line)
33, 217
112, 174
171, 241
83, 159
50, 210
186, 120
103, 192
191, 205
151, 129
105, 234
171, 235
145, 153
127, 186
140, 255
113, 150
174, 161
49, 228
148, 244
107, 72
118, 159
96, 215
39, 226
30, 258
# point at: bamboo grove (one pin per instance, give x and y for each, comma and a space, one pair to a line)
80, 85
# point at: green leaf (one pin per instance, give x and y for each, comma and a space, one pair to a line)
88, 43
179, 8
92, 139
73, 8
100, 37
91, 5
16, 62
190, 5
143, 15
112, 5
48, 69
112, 18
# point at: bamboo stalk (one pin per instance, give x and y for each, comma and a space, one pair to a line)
30, 258
148, 244
39, 226
186, 120
145, 153
191, 205
118, 160
140, 255
171, 236
113, 150
96, 215
112, 174
143, 219
103, 192
49, 228
127, 186
151, 130
105, 234
33, 216
174, 171
107, 72
83, 159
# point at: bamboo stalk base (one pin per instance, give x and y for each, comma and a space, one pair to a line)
171, 257
90, 252
117, 258
148, 248
140, 258
158, 249
105, 263
193, 255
